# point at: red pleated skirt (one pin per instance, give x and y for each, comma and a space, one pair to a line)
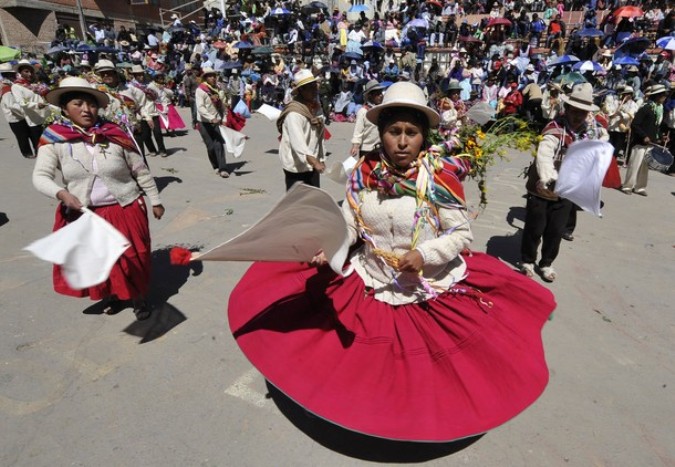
130, 276
173, 119
435, 371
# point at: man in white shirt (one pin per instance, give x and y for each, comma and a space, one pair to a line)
302, 128
28, 94
13, 113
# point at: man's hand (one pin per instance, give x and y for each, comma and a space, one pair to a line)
316, 164
354, 151
151, 124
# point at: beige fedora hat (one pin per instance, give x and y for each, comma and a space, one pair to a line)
408, 95
581, 97
208, 71
137, 70
75, 84
655, 89
104, 65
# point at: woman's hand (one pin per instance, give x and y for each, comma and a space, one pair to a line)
158, 211
69, 200
412, 261
319, 259
354, 151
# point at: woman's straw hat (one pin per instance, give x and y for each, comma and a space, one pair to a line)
75, 84
408, 95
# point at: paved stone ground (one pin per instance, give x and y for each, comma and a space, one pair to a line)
80, 388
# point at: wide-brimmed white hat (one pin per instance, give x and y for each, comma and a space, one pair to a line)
655, 89
75, 84
23, 64
137, 70
303, 77
7, 68
104, 65
581, 97
627, 90
208, 71
407, 95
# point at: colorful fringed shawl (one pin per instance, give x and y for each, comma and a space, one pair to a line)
214, 96
38, 88
101, 133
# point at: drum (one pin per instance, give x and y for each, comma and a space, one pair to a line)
659, 158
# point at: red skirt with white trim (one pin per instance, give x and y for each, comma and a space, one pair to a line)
435, 371
130, 276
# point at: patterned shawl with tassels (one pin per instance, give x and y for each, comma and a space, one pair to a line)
444, 173
102, 132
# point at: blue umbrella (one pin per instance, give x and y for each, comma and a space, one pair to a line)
372, 44
84, 48
625, 60
358, 8
587, 65
418, 23
280, 12
564, 60
667, 43
243, 45
590, 32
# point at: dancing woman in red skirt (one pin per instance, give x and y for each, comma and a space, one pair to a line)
101, 169
419, 339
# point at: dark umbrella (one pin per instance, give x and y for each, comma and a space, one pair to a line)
634, 46
84, 48
241, 45
105, 49
262, 50
352, 56
175, 28
314, 7
231, 65
590, 32
56, 49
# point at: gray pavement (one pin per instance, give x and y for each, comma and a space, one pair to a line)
85, 389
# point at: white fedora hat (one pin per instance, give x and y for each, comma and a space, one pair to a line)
581, 97
137, 70
303, 77
75, 84
7, 68
408, 95
208, 71
104, 65
23, 64
655, 89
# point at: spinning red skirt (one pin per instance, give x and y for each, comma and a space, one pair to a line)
435, 371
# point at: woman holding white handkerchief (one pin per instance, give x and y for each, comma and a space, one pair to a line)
102, 170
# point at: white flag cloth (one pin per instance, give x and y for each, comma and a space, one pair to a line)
272, 113
86, 250
340, 171
581, 173
234, 141
305, 221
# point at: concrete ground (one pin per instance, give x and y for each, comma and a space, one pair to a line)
81, 388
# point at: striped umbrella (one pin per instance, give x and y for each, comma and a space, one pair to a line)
587, 65
667, 43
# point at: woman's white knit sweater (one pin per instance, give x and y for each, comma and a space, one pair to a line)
123, 172
391, 220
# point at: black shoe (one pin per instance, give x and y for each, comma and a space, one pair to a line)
568, 236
